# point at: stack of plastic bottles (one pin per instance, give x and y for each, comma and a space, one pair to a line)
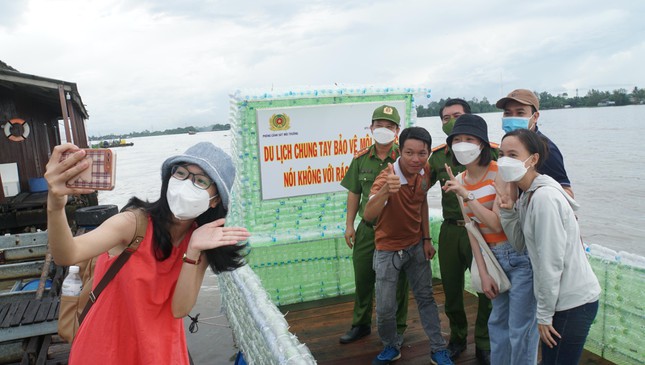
617, 332
260, 330
297, 247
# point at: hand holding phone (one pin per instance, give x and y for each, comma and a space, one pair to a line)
101, 173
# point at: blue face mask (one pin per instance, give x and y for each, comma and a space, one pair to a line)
512, 123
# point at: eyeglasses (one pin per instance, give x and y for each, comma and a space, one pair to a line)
199, 180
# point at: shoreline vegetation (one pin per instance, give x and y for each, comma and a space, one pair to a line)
594, 98
146, 133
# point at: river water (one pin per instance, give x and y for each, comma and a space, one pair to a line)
602, 148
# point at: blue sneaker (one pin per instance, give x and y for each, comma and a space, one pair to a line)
386, 356
441, 357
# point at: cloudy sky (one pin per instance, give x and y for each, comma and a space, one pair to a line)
164, 64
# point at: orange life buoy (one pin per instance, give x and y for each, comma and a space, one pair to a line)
19, 124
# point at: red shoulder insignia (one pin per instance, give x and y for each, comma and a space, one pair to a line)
395, 152
360, 153
494, 145
439, 147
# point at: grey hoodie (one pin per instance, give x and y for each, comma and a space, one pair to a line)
543, 221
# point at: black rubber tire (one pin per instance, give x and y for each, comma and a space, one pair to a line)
94, 216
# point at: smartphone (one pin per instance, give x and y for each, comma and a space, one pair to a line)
101, 174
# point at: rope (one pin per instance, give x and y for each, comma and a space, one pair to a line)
195, 321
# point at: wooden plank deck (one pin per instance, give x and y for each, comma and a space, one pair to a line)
320, 324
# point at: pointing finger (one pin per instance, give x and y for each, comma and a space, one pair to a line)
449, 171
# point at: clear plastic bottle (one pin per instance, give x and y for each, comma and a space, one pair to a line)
72, 284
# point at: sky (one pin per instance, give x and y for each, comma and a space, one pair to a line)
161, 64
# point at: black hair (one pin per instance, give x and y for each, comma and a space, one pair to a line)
220, 259
418, 133
455, 101
485, 156
533, 142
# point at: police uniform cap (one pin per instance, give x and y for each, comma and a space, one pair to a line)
387, 112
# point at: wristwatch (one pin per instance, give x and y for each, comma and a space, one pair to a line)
191, 261
469, 197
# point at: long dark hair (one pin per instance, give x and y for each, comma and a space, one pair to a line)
220, 259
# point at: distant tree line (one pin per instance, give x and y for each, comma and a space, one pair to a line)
548, 101
180, 130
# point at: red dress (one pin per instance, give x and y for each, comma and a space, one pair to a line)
132, 321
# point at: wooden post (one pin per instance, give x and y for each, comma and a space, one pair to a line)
79, 139
43, 276
63, 107
2, 197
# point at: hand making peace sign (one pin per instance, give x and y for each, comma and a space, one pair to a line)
504, 197
453, 185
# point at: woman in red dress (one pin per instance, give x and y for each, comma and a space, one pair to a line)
138, 317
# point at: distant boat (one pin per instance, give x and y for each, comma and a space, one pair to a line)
607, 103
113, 144
192, 132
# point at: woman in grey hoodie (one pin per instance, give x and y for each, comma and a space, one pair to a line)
543, 221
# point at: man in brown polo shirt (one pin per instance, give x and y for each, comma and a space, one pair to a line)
398, 199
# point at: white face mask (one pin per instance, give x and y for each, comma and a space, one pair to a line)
383, 135
511, 169
466, 152
186, 201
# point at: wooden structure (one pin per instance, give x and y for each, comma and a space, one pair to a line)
31, 108
28, 317
320, 324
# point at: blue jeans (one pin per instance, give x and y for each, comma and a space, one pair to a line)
387, 265
512, 325
573, 325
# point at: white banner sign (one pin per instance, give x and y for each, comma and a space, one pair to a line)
307, 150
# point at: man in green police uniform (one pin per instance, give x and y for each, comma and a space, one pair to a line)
365, 166
455, 255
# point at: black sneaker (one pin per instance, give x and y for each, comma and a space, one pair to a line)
483, 356
356, 333
455, 349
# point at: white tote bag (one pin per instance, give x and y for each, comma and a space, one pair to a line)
492, 266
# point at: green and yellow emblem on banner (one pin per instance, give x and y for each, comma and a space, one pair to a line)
279, 122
